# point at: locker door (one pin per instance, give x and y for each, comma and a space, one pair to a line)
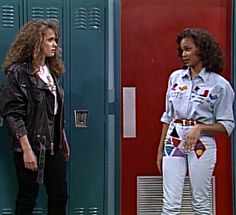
87, 86
9, 14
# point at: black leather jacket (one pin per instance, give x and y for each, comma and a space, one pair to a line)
27, 105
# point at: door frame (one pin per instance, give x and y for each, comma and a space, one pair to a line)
234, 86
113, 158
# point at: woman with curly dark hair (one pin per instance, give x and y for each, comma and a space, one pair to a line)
199, 104
31, 102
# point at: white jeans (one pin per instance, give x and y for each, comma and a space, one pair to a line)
200, 163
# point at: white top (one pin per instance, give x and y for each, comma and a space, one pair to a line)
46, 76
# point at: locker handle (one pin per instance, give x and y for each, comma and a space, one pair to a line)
81, 118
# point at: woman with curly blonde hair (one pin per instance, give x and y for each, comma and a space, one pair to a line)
31, 102
199, 104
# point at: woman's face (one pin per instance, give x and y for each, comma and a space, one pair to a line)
190, 53
49, 45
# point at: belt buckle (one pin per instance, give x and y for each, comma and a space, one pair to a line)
184, 121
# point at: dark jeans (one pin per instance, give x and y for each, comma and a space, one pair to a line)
54, 180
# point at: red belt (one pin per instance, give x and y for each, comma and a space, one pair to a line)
187, 122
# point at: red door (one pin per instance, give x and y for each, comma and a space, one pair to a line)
148, 56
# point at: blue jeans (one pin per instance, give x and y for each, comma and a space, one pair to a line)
54, 180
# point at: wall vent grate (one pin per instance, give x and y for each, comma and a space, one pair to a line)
149, 196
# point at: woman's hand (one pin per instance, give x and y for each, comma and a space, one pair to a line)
66, 147
161, 146
159, 160
191, 138
30, 160
66, 151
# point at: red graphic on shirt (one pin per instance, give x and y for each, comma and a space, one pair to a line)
205, 94
174, 87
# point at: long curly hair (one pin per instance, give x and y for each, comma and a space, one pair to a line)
27, 47
209, 50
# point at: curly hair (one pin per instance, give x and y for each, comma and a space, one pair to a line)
27, 46
209, 50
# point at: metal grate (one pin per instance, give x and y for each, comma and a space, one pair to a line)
149, 196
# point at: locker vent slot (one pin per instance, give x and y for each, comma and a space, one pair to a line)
38, 211
8, 20
87, 18
92, 210
149, 196
79, 211
94, 21
43, 13
7, 211
52, 12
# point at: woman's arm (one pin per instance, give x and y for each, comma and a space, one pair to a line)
161, 146
29, 157
194, 134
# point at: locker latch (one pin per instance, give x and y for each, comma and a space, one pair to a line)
81, 118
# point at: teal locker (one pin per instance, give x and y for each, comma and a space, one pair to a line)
88, 97
9, 13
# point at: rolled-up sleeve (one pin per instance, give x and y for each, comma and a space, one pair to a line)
166, 118
224, 109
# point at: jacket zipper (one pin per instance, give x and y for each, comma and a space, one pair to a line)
51, 144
